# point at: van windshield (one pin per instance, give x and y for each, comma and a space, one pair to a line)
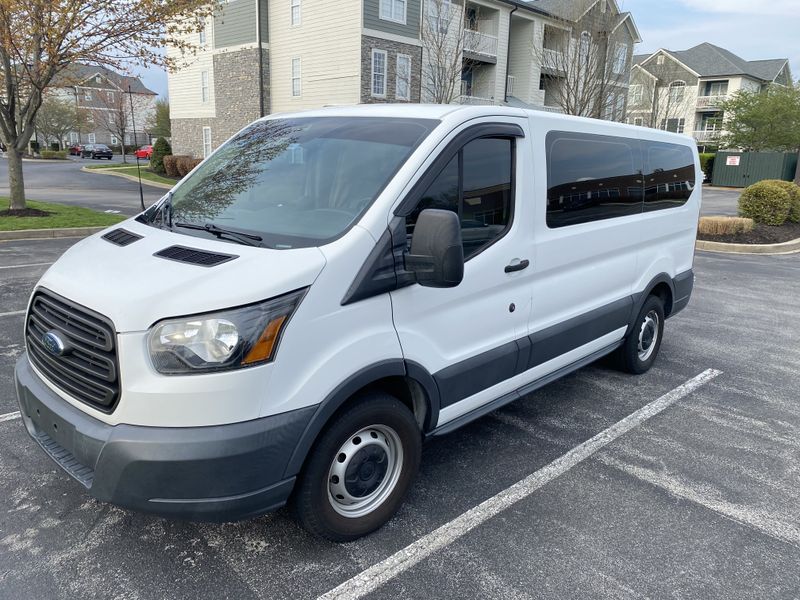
296, 182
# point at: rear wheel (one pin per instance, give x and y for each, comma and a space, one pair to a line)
359, 469
640, 349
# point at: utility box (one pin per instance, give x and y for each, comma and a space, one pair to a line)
740, 169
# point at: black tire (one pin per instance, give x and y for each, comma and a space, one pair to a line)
636, 359
313, 500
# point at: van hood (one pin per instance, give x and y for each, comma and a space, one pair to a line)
135, 289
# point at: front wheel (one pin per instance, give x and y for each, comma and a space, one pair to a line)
640, 349
359, 469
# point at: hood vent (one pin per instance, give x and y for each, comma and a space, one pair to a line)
121, 237
193, 256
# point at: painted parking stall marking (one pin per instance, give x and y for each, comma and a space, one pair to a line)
10, 416
375, 576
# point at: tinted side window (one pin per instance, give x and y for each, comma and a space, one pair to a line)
591, 177
476, 184
670, 175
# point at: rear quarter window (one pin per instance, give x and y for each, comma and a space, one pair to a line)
670, 175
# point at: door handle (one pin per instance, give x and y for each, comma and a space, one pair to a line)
523, 264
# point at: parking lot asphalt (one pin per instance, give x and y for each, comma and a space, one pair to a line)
65, 183
720, 201
701, 500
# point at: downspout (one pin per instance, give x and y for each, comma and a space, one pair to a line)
260, 60
508, 54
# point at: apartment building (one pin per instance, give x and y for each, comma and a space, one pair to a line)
258, 57
100, 95
681, 91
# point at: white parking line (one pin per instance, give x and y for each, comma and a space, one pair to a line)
372, 578
45, 264
13, 312
10, 417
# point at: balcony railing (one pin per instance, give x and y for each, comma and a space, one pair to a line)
552, 59
710, 101
510, 85
552, 109
710, 135
480, 43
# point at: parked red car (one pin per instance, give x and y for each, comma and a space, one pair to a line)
144, 152
76, 149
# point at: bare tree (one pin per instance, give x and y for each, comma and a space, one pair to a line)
659, 96
40, 39
442, 47
114, 115
580, 61
55, 119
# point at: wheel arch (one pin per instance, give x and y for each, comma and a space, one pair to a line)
661, 285
406, 380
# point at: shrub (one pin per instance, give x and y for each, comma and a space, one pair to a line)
54, 154
765, 202
160, 149
707, 164
724, 225
793, 190
170, 162
186, 164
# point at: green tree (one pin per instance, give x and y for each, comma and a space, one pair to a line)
56, 118
768, 120
160, 149
40, 39
162, 127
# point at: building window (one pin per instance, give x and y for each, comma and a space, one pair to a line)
98, 79
296, 82
92, 138
620, 58
393, 10
717, 88
204, 86
379, 73
676, 92
637, 94
403, 83
114, 140
586, 44
673, 125
638, 121
619, 108
87, 94
295, 12
128, 139
206, 141
73, 137
110, 96
439, 16
660, 59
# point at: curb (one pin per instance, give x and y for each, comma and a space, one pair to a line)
45, 234
789, 247
163, 186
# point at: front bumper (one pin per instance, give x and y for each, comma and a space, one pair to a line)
218, 473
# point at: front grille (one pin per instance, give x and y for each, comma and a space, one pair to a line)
194, 256
87, 370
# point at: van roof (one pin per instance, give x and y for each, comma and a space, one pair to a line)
461, 112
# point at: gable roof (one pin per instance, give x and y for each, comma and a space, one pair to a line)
708, 60
80, 73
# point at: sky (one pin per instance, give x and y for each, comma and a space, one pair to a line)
753, 29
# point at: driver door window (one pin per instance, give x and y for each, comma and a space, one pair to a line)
476, 184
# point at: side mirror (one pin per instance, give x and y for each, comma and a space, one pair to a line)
437, 255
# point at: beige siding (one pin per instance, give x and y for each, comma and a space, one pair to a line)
185, 84
328, 43
526, 43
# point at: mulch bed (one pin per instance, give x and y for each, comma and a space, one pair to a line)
761, 234
25, 212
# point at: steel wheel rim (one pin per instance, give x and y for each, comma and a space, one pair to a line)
648, 335
365, 471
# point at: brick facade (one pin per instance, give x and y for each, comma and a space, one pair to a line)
235, 99
392, 49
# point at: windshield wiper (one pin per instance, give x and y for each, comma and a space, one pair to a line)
248, 239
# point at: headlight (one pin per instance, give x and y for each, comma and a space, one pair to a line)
229, 339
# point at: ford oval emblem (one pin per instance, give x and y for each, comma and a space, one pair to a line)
54, 344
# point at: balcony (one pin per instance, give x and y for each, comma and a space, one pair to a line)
706, 136
480, 44
552, 59
710, 102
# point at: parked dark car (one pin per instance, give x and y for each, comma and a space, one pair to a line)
76, 149
96, 151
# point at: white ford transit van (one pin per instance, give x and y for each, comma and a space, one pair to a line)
329, 289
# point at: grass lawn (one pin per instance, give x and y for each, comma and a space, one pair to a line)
61, 216
131, 170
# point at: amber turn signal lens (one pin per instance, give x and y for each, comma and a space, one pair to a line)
263, 348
